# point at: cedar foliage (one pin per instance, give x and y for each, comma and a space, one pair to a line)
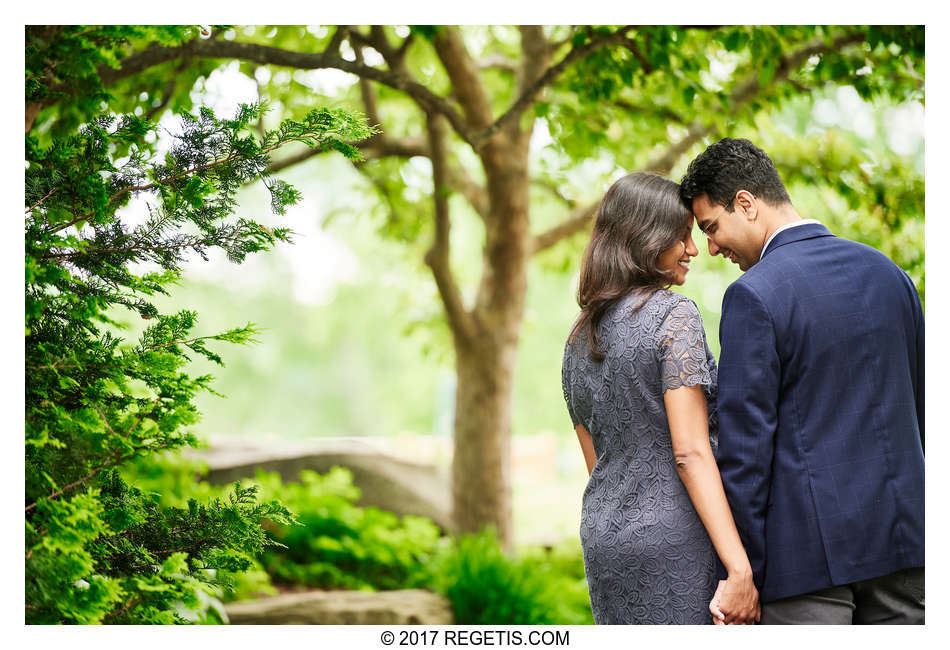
98, 549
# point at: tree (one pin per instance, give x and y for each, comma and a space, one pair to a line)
469, 100
98, 549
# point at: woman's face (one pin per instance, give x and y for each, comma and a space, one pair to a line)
675, 260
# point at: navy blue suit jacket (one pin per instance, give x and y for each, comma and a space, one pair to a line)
821, 413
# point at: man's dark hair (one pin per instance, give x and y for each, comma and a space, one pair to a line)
728, 166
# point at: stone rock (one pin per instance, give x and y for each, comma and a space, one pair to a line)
405, 607
387, 482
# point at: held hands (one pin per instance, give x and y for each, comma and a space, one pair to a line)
736, 601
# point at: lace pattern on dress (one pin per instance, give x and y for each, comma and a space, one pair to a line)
647, 556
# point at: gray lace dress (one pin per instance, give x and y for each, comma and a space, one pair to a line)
647, 555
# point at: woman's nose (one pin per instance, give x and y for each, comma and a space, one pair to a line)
691, 247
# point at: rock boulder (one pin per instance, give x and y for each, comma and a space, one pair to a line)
405, 607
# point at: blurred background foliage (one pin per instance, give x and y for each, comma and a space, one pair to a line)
334, 346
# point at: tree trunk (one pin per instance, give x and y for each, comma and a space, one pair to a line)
481, 465
481, 476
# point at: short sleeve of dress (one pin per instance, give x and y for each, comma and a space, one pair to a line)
566, 367
682, 343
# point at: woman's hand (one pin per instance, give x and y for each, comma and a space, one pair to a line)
718, 617
737, 600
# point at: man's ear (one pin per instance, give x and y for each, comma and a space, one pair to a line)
747, 203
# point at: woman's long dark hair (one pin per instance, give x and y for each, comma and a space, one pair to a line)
640, 217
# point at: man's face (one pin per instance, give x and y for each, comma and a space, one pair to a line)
730, 234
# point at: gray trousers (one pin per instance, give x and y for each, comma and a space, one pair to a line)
894, 599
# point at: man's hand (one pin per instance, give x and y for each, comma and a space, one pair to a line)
737, 600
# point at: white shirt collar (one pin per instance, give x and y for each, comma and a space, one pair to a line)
786, 227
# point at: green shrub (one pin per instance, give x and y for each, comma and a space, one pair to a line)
338, 545
487, 587
335, 544
98, 549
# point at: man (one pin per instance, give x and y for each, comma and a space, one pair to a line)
821, 402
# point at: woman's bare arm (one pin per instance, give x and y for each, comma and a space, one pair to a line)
696, 466
587, 446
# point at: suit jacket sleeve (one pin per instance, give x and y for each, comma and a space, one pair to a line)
749, 381
919, 379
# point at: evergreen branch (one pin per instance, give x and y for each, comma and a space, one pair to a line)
158, 225
125, 249
180, 549
214, 337
41, 534
132, 602
109, 463
55, 366
115, 459
38, 203
377, 146
170, 179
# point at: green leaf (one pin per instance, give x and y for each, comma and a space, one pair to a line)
766, 73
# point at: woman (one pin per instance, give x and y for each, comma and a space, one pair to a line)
640, 386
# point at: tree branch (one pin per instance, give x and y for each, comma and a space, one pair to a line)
532, 91
745, 92
40, 202
128, 605
395, 58
664, 162
460, 320
466, 84
536, 53
342, 31
381, 146
211, 49
170, 90
497, 62
460, 181
577, 221
116, 459
656, 111
555, 190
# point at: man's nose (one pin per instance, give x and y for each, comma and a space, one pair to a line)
713, 249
